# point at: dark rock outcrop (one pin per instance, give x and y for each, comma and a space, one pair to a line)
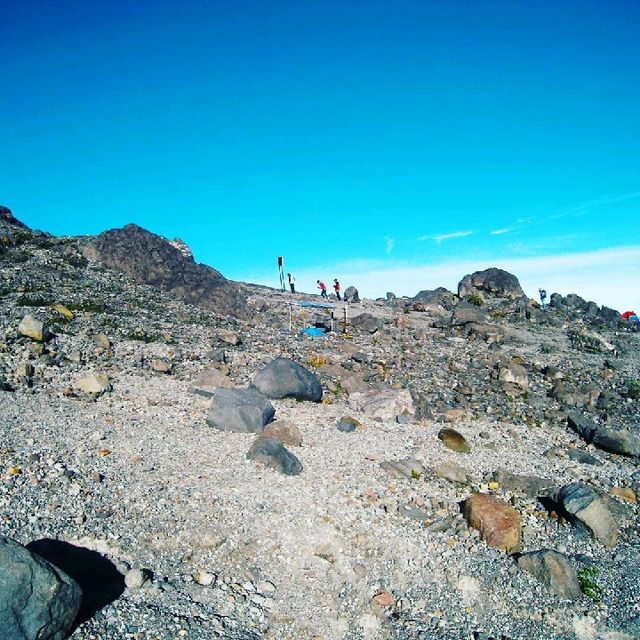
36, 599
7, 217
441, 296
490, 282
351, 295
151, 259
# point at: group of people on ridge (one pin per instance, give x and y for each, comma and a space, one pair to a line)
321, 285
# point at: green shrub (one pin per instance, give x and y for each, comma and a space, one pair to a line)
475, 300
633, 389
588, 584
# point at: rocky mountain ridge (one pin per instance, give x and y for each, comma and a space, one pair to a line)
450, 465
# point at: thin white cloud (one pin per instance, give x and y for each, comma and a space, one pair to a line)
390, 242
446, 236
499, 232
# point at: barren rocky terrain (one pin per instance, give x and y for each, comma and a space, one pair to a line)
469, 468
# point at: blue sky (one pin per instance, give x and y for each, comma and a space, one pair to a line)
390, 144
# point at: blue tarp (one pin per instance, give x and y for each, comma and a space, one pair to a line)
314, 332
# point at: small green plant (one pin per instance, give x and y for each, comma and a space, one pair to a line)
475, 300
588, 584
415, 474
633, 389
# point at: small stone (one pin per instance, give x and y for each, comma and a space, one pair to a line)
204, 578
454, 440
97, 384
384, 599
272, 453
135, 578
347, 424
63, 311
286, 433
32, 328
625, 493
160, 365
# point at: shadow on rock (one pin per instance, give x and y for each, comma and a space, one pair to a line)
100, 581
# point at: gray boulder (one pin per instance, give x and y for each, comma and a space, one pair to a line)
615, 441
239, 410
284, 378
530, 486
37, 600
440, 296
589, 509
351, 295
367, 323
273, 454
553, 569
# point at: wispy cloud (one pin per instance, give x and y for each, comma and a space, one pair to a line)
447, 236
390, 242
499, 232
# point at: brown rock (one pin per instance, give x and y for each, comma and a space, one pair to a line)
498, 523
285, 432
625, 493
384, 599
454, 440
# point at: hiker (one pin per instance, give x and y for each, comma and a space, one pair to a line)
336, 288
292, 282
543, 296
634, 322
323, 288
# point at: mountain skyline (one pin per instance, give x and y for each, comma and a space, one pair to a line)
387, 145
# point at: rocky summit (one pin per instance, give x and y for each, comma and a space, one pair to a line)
175, 462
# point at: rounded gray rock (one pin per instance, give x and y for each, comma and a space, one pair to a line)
37, 600
284, 378
240, 410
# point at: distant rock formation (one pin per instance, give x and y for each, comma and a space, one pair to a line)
490, 282
6, 216
151, 259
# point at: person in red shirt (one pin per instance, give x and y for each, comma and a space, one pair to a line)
323, 288
336, 288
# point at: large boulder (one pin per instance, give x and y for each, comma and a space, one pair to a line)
553, 569
153, 260
616, 441
367, 323
351, 295
33, 328
284, 378
240, 410
588, 508
383, 404
499, 524
490, 282
439, 296
37, 600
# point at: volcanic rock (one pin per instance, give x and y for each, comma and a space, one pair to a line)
273, 454
284, 378
240, 410
492, 282
553, 569
37, 600
150, 259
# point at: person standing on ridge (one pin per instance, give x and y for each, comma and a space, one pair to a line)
543, 296
292, 282
323, 288
336, 288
